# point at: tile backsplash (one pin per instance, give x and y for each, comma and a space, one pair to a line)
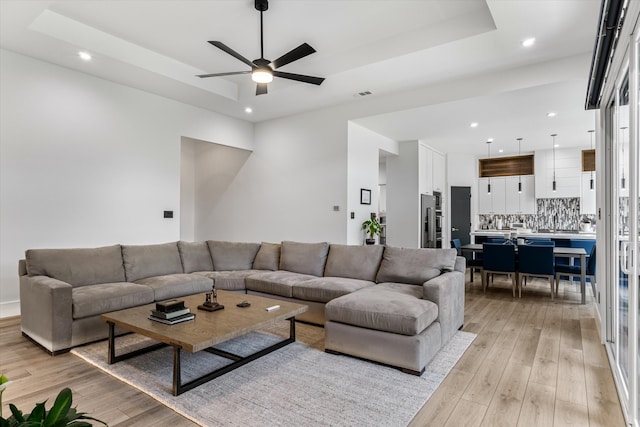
552, 214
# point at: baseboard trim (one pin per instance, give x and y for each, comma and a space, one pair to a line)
10, 309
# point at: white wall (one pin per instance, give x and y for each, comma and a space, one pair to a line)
187, 189
216, 167
86, 162
382, 182
403, 197
287, 188
363, 160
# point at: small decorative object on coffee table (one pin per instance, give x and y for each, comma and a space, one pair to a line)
211, 300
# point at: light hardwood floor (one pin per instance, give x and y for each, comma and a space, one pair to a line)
534, 363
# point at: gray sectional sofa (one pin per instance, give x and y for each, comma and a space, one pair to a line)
396, 306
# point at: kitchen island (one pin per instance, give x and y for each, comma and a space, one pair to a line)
515, 233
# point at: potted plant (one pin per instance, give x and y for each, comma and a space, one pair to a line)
372, 229
60, 414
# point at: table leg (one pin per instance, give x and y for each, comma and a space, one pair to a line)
177, 380
112, 344
583, 277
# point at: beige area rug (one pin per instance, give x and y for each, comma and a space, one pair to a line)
295, 386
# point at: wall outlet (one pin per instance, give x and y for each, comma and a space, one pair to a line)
353, 215
336, 208
168, 214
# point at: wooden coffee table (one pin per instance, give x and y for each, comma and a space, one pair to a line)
205, 331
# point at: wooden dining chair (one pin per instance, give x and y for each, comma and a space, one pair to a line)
498, 258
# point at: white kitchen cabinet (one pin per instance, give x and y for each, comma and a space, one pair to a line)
439, 176
587, 195
567, 172
520, 203
494, 203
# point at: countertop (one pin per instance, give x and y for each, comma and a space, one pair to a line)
555, 235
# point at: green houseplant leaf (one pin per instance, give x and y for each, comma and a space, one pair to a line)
59, 409
38, 413
61, 414
372, 227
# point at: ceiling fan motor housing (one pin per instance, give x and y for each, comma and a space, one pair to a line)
262, 5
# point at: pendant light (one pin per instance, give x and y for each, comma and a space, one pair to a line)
519, 176
623, 181
489, 155
591, 147
554, 161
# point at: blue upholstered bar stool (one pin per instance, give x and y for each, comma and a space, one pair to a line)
538, 240
536, 261
496, 240
498, 258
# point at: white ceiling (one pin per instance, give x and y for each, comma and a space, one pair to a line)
388, 47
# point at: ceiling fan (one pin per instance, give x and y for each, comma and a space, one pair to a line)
263, 70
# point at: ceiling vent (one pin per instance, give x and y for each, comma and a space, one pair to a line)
365, 93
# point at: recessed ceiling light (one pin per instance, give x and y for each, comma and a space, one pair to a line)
85, 56
552, 114
556, 145
474, 125
490, 139
500, 150
248, 110
529, 42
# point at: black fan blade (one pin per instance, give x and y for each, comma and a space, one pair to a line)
261, 89
293, 55
232, 52
202, 76
300, 77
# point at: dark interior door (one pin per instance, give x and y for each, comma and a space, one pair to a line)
461, 214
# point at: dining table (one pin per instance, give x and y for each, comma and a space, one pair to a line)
558, 252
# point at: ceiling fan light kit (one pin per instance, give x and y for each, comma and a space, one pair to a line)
263, 70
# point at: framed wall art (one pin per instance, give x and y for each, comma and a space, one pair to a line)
365, 196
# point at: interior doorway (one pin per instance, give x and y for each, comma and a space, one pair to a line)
461, 214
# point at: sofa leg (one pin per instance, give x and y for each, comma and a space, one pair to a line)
412, 372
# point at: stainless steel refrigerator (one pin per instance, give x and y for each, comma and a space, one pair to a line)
428, 221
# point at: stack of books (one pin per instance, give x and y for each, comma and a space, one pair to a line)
171, 312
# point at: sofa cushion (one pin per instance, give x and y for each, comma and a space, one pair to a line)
414, 266
268, 257
99, 299
324, 289
275, 282
229, 256
392, 308
78, 267
141, 261
304, 258
355, 262
195, 256
176, 285
229, 280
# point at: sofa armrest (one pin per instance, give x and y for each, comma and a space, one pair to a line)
46, 311
447, 291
